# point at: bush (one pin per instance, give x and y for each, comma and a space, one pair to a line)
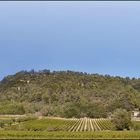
121, 119
11, 108
25, 118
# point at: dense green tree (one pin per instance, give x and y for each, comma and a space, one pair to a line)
96, 110
121, 119
71, 110
11, 108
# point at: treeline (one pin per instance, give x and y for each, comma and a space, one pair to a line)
67, 94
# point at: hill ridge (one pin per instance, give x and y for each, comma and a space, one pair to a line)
68, 93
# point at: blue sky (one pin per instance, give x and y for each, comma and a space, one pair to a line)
95, 37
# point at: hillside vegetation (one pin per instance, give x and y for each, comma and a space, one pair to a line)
67, 94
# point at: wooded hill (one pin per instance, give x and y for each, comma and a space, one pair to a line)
67, 93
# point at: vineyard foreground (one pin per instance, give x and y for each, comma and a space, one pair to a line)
51, 127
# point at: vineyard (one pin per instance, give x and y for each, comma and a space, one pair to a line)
87, 124
61, 124
51, 127
55, 124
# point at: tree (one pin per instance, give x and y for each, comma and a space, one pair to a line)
71, 110
121, 119
11, 108
96, 110
1, 123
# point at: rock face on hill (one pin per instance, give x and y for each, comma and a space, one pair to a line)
67, 93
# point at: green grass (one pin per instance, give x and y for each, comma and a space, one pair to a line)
46, 124
41, 125
136, 125
63, 134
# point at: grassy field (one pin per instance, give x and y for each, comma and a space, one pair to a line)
55, 128
68, 135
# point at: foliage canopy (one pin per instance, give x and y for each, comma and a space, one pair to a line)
68, 93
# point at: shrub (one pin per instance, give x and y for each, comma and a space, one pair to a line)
121, 119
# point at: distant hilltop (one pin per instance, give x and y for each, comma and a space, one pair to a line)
67, 93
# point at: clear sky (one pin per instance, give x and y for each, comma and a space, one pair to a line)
95, 37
